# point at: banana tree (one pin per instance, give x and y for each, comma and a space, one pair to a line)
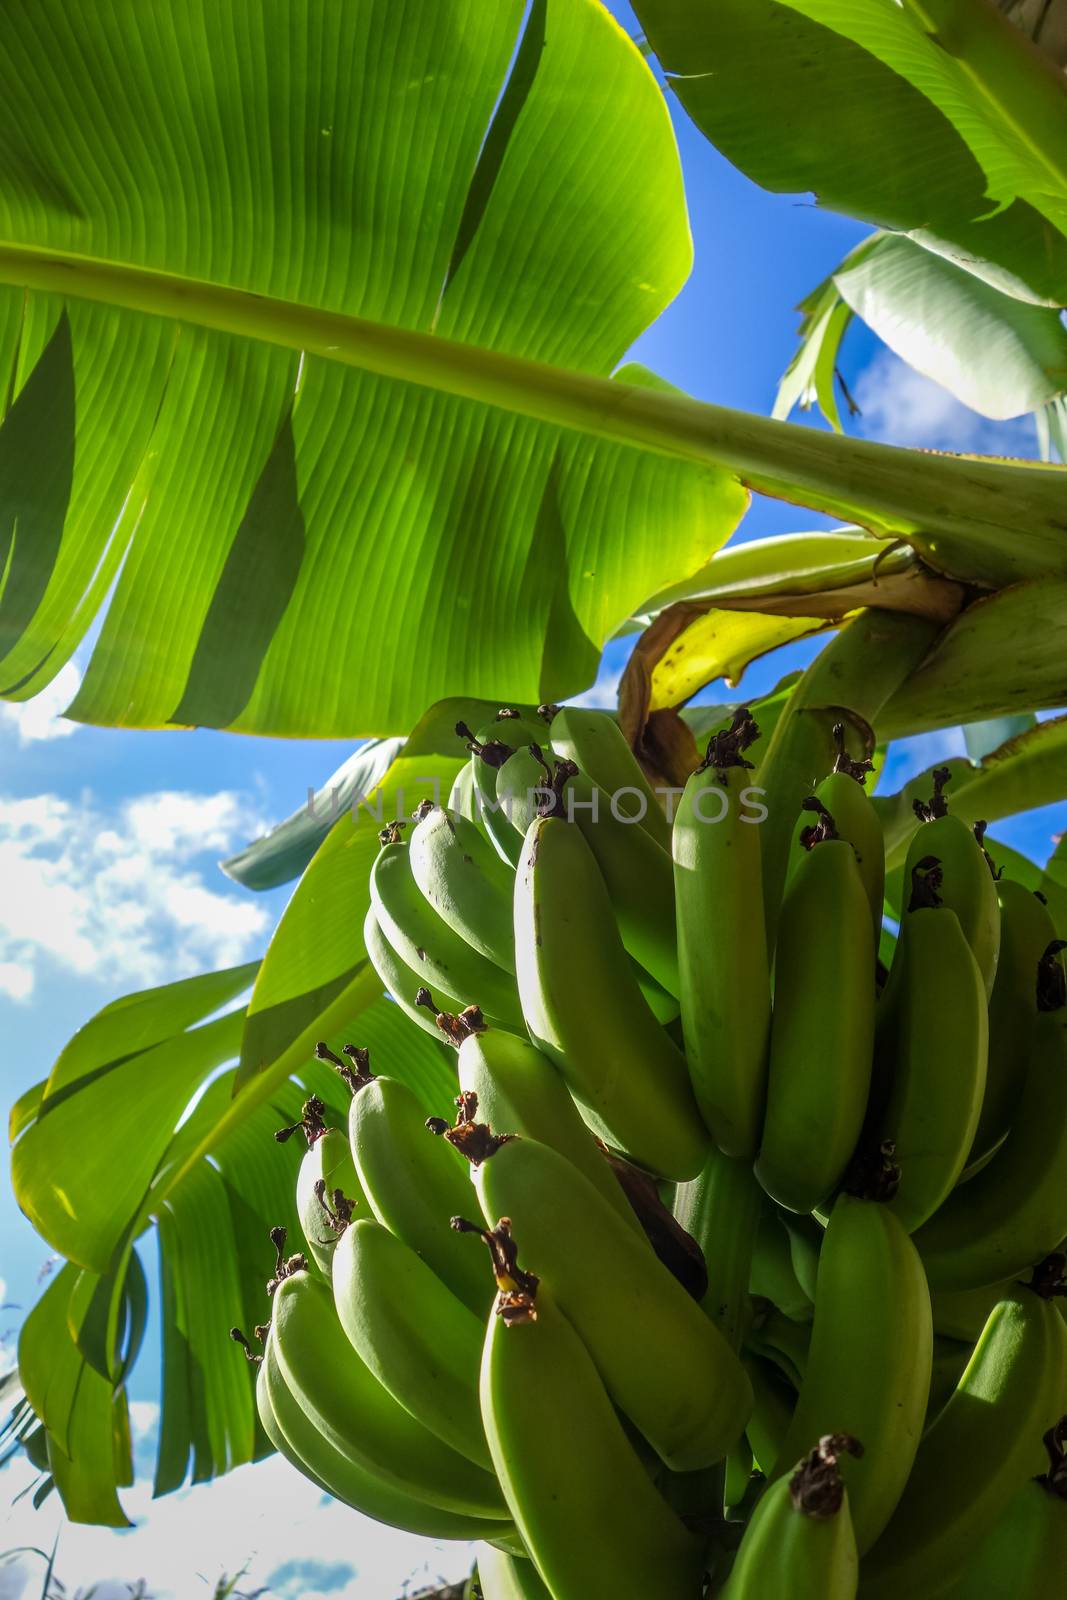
314, 324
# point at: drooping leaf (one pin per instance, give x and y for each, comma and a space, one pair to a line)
81, 1171
324, 542
799, 93
997, 355
284, 852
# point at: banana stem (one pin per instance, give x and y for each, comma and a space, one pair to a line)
856, 674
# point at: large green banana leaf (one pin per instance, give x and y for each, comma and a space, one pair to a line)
311, 317
142, 1124
967, 119
297, 547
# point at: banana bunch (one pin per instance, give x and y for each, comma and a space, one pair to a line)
775, 1299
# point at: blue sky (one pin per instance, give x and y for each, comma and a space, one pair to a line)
109, 843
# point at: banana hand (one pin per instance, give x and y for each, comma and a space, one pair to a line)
421, 1343
663, 1362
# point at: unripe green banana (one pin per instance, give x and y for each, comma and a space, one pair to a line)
328, 1195
401, 981
587, 1512
344, 1476
805, 1245
357, 1416
584, 1009
800, 1543
822, 1029
979, 1453
739, 1465
597, 745
949, 1364
775, 1401
940, 1038
426, 944
963, 1313
868, 1369
724, 976
421, 1343
461, 799
963, 881
1014, 1212
519, 1090
664, 1363
505, 1577
721, 1210
414, 1184
465, 882
772, 1276
636, 870
842, 799
781, 1341
1027, 933
491, 748
1024, 1552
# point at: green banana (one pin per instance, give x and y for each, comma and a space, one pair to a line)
805, 1244
584, 1009
328, 1195
978, 1454
721, 1209
465, 882
461, 798
723, 970
949, 1364
772, 1276
800, 1544
781, 1341
1013, 1212
868, 1368
597, 745
822, 1029
518, 1090
420, 1342
426, 943
958, 872
399, 980
413, 1184
664, 1363
939, 1034
636, 870
772, 1412
357, 1416
963, 1313
492, 747
842, 799
1022, 1554
505, 1577
1027, 934
739, 1466
345, 1476
593, 1522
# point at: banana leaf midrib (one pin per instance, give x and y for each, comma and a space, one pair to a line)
984, 520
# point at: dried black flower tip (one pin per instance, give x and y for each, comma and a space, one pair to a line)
926, 879
846, 763
548, 712
473, 1139
393, 832
494, 752
249, 1354
937, 805
516, 1300
873, 1173
725, 749
312, 1123
979, 831
284, 1267
455, 1028
423, 810
1055, 1442
1051, 979
816, 1487
822, 829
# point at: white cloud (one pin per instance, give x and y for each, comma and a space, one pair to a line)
900, 406
118, 893
265, 1518
41, 717
603, 695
